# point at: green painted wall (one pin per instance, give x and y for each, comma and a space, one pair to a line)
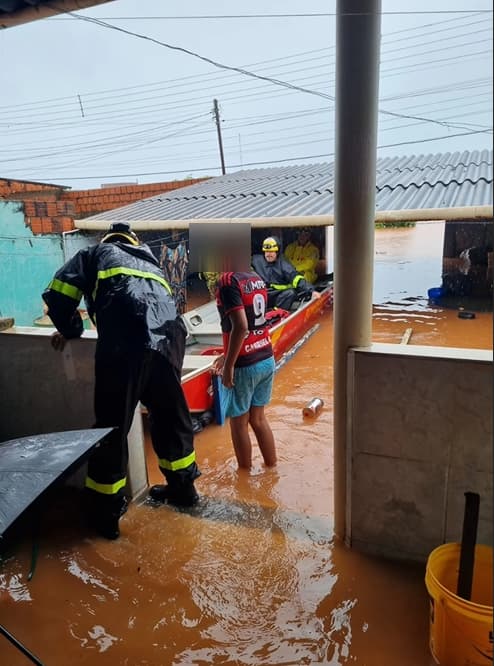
27, 263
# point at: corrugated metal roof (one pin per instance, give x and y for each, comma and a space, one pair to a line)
440, 180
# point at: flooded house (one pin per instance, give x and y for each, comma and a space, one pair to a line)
303, 565
419, 375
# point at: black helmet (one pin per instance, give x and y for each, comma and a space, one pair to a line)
120, 231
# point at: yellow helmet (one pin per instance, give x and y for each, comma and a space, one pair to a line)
270, 244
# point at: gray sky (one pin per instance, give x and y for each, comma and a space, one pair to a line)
84, 105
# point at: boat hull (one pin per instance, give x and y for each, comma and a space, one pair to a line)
286, 333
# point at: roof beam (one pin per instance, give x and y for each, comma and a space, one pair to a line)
463, 213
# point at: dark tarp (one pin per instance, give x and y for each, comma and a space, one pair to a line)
30, 465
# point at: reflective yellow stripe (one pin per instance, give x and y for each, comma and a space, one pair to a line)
121, 270
105, 488
297, 279
280, 287
66, 289
181, 463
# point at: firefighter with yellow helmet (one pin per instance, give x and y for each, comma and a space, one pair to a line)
139, 356
285, 283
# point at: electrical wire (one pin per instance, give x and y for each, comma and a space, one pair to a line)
124, 141
213, 168
92, 109
283, 59
203, 17
219, 65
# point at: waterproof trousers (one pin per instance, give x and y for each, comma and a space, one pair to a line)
281, 298
121, 382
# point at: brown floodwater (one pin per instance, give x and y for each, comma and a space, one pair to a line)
408, 262
253, 575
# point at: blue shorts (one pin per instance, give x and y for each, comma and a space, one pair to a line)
253, 385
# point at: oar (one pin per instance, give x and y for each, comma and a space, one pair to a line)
468, 541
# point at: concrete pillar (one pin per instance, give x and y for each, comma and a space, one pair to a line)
357, 84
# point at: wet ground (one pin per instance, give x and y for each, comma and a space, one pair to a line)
253, 575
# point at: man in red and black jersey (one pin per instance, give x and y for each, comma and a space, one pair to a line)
247, 365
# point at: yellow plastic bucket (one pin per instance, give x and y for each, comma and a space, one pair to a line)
461, 631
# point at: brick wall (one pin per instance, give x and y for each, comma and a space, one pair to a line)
52, 209
48, 217
91, 202
16, 189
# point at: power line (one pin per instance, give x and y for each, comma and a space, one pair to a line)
457, 85
203, 17
91, 109
277, 161
128, 143
184, 81
89, 144
240, 70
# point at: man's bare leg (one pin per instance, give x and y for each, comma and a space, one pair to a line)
264, 435
239, 428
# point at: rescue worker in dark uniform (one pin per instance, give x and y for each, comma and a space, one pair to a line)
285, 283
139, 356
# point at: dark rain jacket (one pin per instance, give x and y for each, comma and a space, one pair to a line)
280, 275
127, 298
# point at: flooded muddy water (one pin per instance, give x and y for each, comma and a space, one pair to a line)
408, 262
253, 575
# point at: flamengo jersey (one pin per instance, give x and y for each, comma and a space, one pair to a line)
248, 291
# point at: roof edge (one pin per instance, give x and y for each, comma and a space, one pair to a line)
465, 213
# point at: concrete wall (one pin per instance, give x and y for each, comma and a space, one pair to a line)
420, 433
45, 391
28, 263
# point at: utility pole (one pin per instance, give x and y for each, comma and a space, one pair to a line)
216, 113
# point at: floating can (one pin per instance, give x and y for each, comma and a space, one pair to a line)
313, 407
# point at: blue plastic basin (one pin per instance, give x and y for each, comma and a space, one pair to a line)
435, 293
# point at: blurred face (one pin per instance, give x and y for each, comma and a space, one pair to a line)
270, 256
303, 237
218, 247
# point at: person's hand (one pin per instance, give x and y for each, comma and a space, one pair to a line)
218, 365
58, 341
315, 294
227, 377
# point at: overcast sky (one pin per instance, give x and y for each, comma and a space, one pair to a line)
83, 104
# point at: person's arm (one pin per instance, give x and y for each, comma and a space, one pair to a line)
240, 327
62, 296
303, 288
293, 278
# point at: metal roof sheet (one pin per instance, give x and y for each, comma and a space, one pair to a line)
440, 180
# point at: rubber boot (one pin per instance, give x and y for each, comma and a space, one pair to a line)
184, 495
